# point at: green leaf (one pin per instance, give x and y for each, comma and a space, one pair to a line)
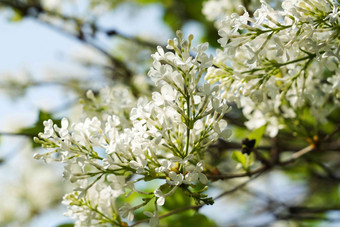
38, 125
17, 16
245, 160
240, 158
177, 200
257, 134
147, 1
171, 19
185, 220
66, 225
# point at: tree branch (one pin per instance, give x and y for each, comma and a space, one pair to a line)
263, 168
196, 207
237, 175
237, 187
302, 209
35, 10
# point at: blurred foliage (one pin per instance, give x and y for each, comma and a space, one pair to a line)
185, 219
319, 173
177, 14
38, 126
66, 225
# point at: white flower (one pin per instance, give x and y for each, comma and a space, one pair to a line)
175, 179
165, 166
158, 138
182, 161
196, 174
138, 165
154, 220
160, 197
126, 211
225, 133
63, 131
48, 130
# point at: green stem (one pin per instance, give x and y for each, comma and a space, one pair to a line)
188, 125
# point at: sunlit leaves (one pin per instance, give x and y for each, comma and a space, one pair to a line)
244, 160
66, 225
257, 135
17, 16
38, 126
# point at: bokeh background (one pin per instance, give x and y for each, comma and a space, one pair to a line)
46, 68
53, 51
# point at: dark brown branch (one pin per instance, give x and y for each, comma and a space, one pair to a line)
237, 187
263, 168
301, 209
237, 175
223, 145
113, 32
308, 217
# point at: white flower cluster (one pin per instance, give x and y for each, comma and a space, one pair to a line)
117, 100
164, 138
280, 62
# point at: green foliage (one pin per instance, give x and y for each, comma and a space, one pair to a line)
177, 14
240, 158
257, 135
110, 3
244, 159
178, 200
187, 219
17, 16
66, 225
38, 126
151, 1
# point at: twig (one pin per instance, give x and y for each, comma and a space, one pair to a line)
301, 209
309, 218
236, 175
263, 168
237, 187
197, 207
329, 136
298, 154
27, 9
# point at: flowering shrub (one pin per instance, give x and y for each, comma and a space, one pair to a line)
164, 138
278, 63
279, 66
